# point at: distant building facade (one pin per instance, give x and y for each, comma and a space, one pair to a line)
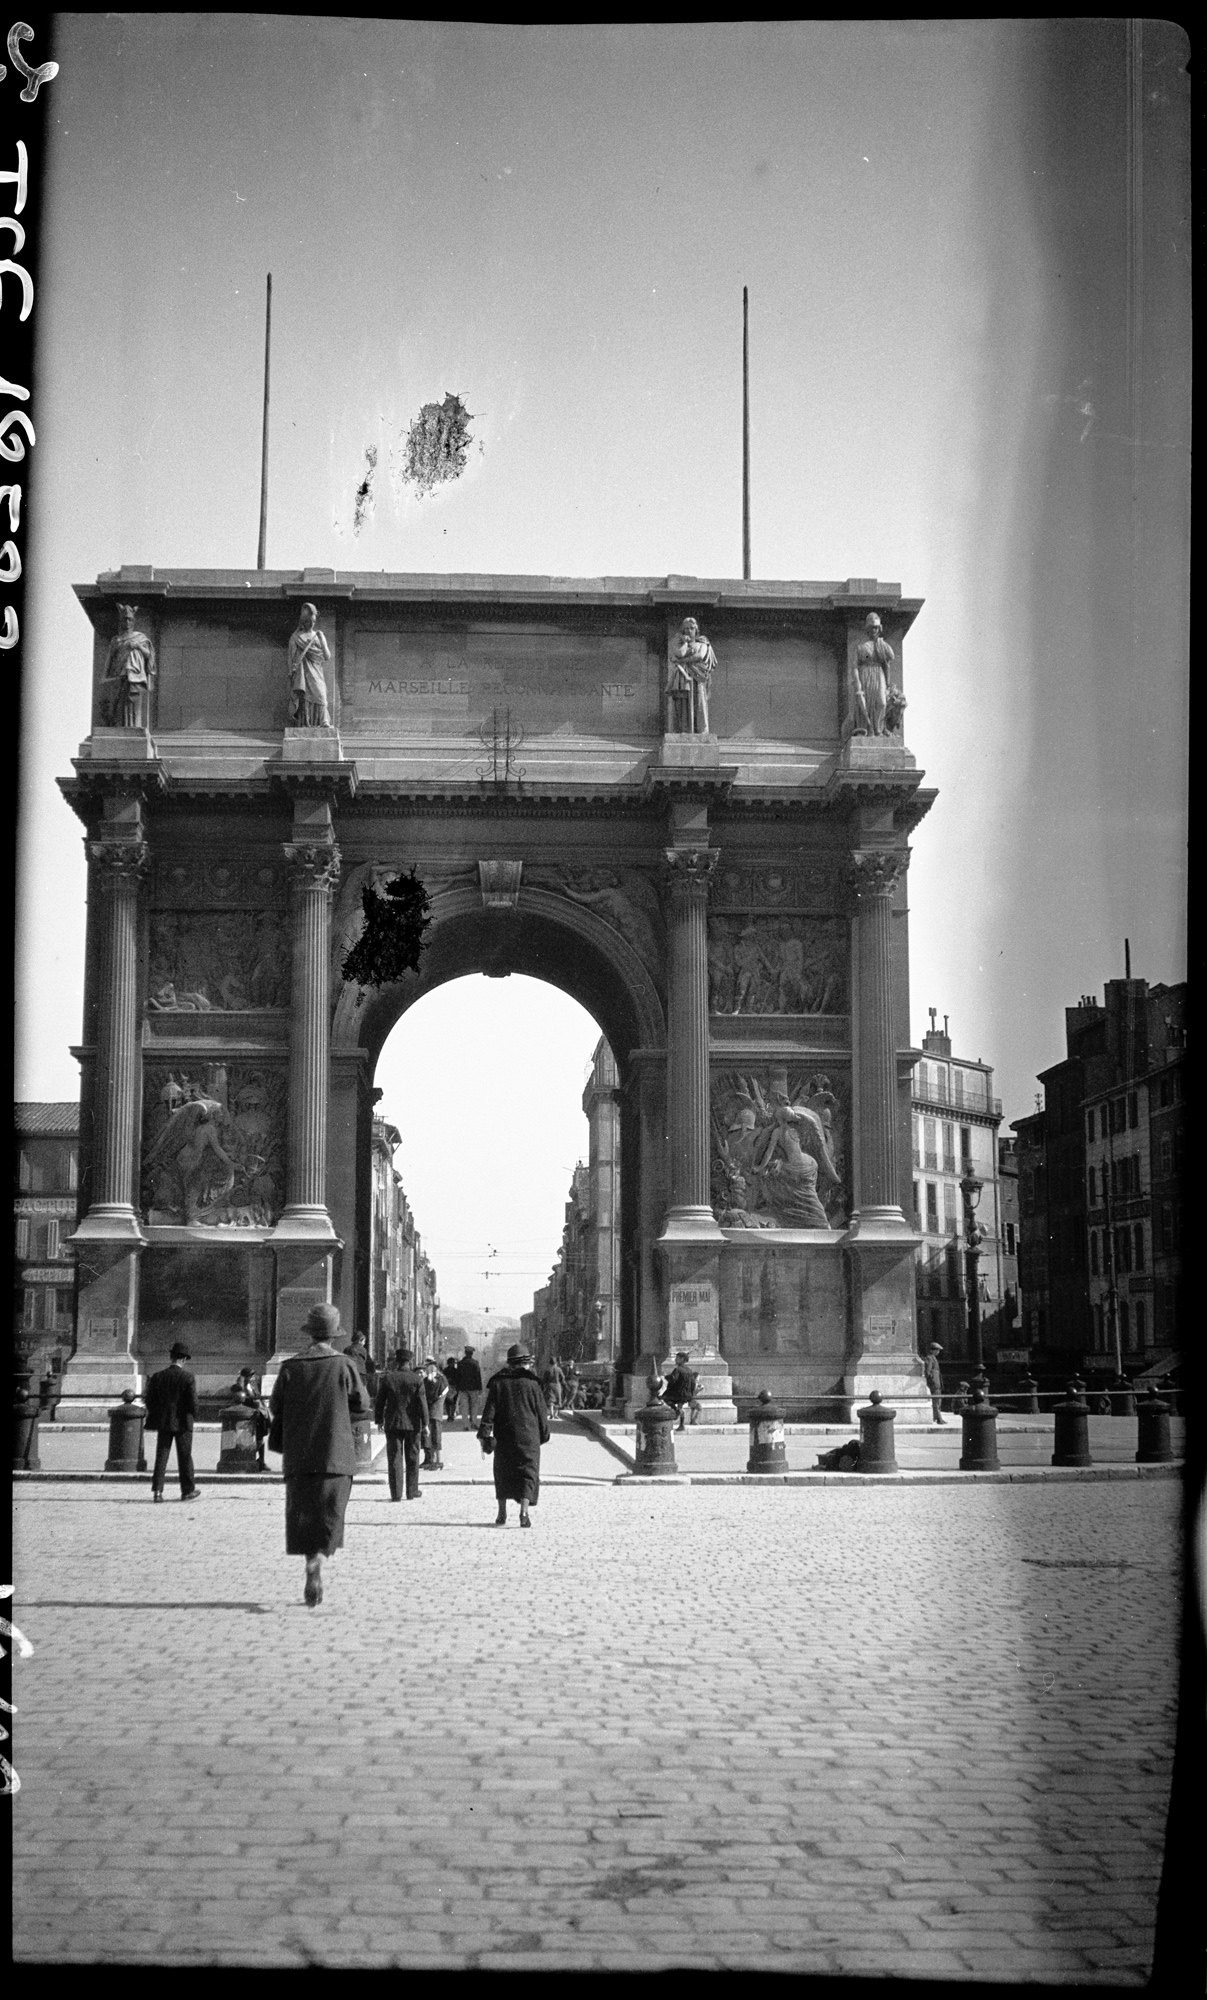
404, 1305
1100, 1187
46, 1178
955, 1119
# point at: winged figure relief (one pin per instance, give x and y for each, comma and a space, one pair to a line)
188, 1171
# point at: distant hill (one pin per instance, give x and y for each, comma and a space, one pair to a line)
480, 1325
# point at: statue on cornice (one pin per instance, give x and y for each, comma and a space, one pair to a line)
693, 663
308, 650
129, 672
875, 708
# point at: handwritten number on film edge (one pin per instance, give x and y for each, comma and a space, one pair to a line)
12, 1782
13, 448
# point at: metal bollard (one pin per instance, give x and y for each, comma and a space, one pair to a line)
655, 1434
238, 1448
979, 1423
1152, 1432
126, 1420
768, 1450
25, 1425
1071, 1428
1123, 1400
362, 1431
876, 1452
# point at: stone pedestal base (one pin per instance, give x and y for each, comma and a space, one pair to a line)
303, 1279
882, 1351
106, 1315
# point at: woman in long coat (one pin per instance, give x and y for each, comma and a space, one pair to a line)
314, 1399
515, 1416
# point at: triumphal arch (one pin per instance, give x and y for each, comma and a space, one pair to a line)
686, 802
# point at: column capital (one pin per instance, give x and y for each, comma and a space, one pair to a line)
875, 872
690, 869
120, 860
313, 864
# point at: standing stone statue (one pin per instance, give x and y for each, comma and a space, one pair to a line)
692, 664
129, 672
308, 650
869, 682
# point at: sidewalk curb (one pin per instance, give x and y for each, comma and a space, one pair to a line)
1022, 1475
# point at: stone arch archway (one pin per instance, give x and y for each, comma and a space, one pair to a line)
544, 935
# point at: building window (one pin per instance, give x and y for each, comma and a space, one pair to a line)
1138, 1246
949, 1149
1125, 1323
1093, 1253
1133, 1109
959, 1083
1089, 1126
917, 1206
52, 1239
22, 1236
1166, 1155
932, 1208
1138, 1314
965, 1146
950, 1219
1010, 1240
29, 1317
953, 1271
923, 1079
928, 1127
1093, 1181
917, 1139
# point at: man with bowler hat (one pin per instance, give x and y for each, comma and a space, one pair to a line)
515, 1424
402, 1412
171, 1401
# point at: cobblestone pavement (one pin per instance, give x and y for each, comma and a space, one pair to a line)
922, 1731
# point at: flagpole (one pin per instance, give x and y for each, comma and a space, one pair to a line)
264, 445
745, 434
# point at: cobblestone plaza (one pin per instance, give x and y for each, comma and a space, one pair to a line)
913, 1730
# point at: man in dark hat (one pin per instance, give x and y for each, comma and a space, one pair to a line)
401, 1410
450, 1400
314, 1399
171, 1401
469, 1384
435, 1389
357, 1351
515, 1424
934, 1381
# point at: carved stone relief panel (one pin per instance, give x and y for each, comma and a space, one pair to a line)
780, 1147
204, 961
191, 883
213, 1144
626, 898
787, 964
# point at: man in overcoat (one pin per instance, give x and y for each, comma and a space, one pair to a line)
171, 1401
515, 1419
553, 1382
314, 1399
450, 1400
469, 1384
401, 1410
934, 1381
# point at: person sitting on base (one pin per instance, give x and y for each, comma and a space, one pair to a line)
247, 1391
934, 1381
680, 1391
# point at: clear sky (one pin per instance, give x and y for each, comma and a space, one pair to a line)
970, 348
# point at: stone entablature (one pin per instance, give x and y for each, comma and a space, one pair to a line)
661, 794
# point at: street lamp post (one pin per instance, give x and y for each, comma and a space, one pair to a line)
970, 1188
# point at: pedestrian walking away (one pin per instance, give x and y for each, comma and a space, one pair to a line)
934, 1381
450, 1400
469, 1385
401, 1410
515, 1424
357, 1351
171, 1401
247, 1391
553, 1383
435, 1390
680, 1391
314, 1399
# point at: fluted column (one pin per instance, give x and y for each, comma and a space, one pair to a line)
874, 876
687, 1061
315, 871
116, 869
